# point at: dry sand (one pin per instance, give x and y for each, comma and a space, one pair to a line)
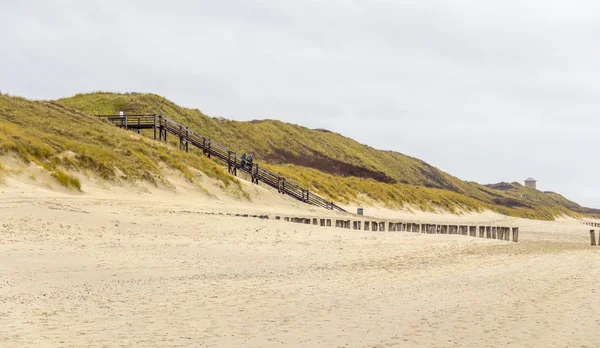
115, 267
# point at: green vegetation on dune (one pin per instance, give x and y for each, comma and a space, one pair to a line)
56, 137
332, 165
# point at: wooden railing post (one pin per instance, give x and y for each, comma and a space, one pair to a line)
593, 237
154, 127
187, 139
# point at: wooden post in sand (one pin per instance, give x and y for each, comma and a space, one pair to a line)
358, 223
593, 237
315, 221
391, 227
481, 231
328, 222
515, 234
507, 235
322, 222
423, 227
473, 231
374, 226
366, 225
382, 226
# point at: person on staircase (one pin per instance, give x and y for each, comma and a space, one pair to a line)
244, 160
250, 159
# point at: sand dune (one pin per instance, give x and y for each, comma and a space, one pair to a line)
116, 267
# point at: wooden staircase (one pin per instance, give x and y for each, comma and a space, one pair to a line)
187, 137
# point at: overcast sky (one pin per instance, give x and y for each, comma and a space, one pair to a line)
487, 91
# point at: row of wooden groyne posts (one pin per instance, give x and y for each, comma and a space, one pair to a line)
489, 232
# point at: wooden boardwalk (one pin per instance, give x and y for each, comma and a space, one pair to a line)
164, 125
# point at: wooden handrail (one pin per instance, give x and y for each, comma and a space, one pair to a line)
221, 152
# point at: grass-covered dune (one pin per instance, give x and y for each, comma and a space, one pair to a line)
335, 166
339, 167
61, 139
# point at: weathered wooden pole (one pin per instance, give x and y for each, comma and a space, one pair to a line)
374, 226
366, 225
322, 222
382, 226
593, 237
328, 222
515, 232
473, 231
187, 139
391, 227
154, 127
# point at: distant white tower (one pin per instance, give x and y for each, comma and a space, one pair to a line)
531, 183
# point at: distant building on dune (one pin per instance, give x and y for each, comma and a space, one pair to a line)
531, 183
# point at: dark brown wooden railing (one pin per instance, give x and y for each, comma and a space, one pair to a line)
187, 136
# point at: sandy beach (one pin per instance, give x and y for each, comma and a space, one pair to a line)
124, 268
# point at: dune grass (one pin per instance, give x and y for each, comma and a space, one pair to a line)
336, 166
67, 180
55, 137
